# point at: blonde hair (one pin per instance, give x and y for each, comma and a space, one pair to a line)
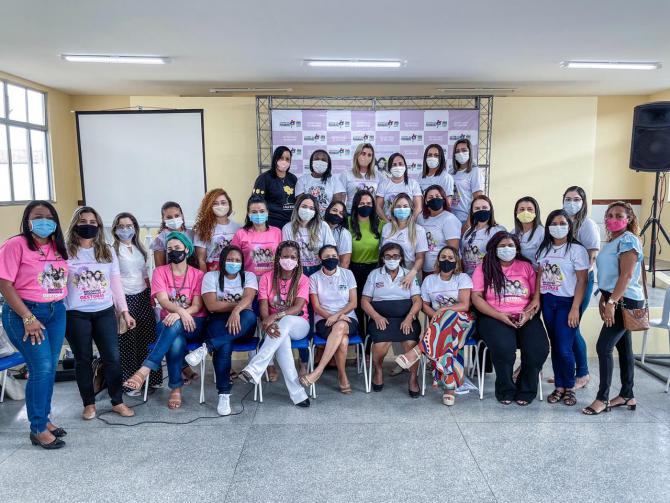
103, 252
411, 221
313, 226
633, 225
356, 169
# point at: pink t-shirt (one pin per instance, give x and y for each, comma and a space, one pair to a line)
38, 276
187, 287
519, 287
265, 287
258, 248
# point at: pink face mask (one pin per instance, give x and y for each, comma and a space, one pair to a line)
288, 264
283, 165
615, 225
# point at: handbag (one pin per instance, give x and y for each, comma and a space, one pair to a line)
637, 319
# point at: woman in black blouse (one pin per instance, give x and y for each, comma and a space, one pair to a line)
277, 187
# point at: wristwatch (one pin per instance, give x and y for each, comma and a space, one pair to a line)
29, 319
612, 302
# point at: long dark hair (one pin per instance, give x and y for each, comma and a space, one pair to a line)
443, 163
276, 155
254, 199
389, 164
518, 228
580, 216
136, 237
57, 238
222, 264
548, 240
456, 166
172, 204
295, 274
374, 218
494, 277
328, 173
344, 208
425, 211
391, 246
489, 224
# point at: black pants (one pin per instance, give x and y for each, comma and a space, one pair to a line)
361, 273
82, 330
503, 341
611, 337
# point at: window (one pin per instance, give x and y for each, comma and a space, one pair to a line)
24, 155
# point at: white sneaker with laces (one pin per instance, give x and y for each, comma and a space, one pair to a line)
197, 355
224, 405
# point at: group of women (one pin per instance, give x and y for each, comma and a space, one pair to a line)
365, 252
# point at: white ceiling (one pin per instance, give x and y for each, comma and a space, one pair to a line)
485, 43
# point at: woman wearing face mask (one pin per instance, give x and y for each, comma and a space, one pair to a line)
177, 288
435, 172
319, 181
561, 293
586, 231
398, 183
213, 229
392, 309
446, 302
621, 284
363, 176
90, 309
528, 227
228, 294
336, 218
133, 344
475, 239
172, 219
283, 296
442, 228
332, 292
33, 272
507, 301
468, 179
277, 187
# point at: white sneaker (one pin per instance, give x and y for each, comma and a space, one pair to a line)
224, 405
197, 355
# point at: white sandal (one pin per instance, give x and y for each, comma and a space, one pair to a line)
448, 400
404, 363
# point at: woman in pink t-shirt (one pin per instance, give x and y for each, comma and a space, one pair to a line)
505, 296
283, 295
33, 282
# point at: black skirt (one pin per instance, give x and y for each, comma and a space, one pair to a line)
395, 312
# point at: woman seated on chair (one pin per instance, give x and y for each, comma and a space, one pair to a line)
392, 309
507, 301
228, 294
177, 288
282, 297
446, 302
332, 292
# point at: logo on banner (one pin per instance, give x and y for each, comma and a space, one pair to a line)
456, 137
291, 124
389, 124
339, 124
296, 151
412, 138
437, 124
339, 151
314, 138
363, 138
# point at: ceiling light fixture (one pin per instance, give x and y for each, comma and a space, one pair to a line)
251, 90
101, 58
612, 65
354, 63
476, 89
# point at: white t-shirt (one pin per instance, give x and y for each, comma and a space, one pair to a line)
588, 234
159, 244
332, 291
530, 245
441, 293
133, 268
444, 180
323, 192
464, 185
89, 287
349, 184
380, 286
221, 237
402, 238
309, 257
439, 229
232, 288
473, 247
557, 267
342, 240
388, 189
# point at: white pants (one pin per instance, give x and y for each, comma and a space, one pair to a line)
290, 327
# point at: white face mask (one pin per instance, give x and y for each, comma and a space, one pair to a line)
558, 231
319, 167
462, 157
174, 223
221, 211
397, 171
506, 253
572, 207
392, 265
305, 214
432, 162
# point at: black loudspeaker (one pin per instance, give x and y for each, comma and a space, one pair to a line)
650, 144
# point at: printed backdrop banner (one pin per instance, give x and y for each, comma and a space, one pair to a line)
339, 132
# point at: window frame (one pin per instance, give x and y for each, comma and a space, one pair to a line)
27, 127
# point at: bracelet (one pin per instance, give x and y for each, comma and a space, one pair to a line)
29, 319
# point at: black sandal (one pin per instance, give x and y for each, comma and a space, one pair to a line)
625, 403
590, 411
556, 396
569, 398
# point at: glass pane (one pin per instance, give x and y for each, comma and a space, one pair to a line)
18, 143
5, 192
2, 99
38, 143
17, 103
36, 107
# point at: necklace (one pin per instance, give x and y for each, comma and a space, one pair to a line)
556, 248
174, 280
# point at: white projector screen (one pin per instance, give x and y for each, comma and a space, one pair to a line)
137, 160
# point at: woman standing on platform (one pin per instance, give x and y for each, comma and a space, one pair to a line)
475, 239
336, 218
435, 172
172, 219
528, 227
363, 176
442, 227
468, 179
399, 183
319, 180
277, 187
213, 229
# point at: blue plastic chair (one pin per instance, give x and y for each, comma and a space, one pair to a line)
244, 347
6, 363
306, 343
191, 346
354, 340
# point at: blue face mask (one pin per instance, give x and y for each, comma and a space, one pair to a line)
125, 234
233, 267
402, 213
43, 227
258, 218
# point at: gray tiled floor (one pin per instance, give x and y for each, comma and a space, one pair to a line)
381, 447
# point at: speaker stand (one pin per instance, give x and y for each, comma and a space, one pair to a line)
655, 223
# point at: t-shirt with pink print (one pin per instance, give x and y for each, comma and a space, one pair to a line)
180, 289
278, 302
258, 248
518, 290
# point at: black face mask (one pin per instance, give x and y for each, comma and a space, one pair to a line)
481, 215
365, 211
86, 231
176, 256
334, 219
447, 265
435, 204
330, 264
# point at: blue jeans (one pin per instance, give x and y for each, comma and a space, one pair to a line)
220, 342
555, 312
579, 346
41, 359
172, 344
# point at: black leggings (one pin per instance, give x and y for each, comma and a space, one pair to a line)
503, 341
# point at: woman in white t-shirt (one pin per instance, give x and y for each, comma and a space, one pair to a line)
468, 179
442, 227
213, 229
528, 227
563, 264
446, 302
399, 183
336, 218
172, 219
319, 180
475, 239
134, 344
435, 171
94, 289
363, 176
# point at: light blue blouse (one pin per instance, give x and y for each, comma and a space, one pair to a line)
607, 263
